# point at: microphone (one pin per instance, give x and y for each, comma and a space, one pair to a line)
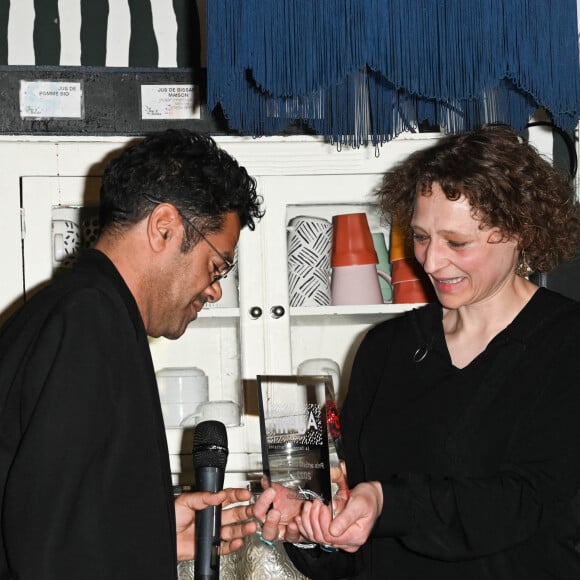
210, 454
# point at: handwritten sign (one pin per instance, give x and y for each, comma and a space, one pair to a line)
170, 102
51, 100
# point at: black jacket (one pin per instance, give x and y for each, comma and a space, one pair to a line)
479, 466
85, 486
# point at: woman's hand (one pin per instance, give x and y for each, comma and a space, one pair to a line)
350, 529
281, 507
236, 520
339, 478
275, 509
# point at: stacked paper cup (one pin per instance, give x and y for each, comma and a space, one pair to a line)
410, 285
354, 272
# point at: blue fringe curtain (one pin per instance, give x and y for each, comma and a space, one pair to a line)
355, 70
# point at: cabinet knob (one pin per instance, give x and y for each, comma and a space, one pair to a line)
255, 312
277, 311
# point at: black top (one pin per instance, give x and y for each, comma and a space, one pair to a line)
85, 486
479, 466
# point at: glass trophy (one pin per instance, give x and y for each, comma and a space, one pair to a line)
300, 435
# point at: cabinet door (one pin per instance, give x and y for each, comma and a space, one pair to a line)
303, 333
253, 280
58, 219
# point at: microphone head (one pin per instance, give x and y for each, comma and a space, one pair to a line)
210, 445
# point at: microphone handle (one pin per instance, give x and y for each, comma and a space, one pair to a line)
208, 523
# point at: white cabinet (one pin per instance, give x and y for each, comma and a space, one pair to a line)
47, 180
293, 334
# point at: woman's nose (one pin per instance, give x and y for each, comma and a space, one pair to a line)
431, 258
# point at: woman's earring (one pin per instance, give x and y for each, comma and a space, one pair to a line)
523, 269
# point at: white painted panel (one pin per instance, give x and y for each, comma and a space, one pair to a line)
118, 34
70, 32
165, 26
542, 139
20, 33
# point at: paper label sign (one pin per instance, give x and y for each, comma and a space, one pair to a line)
170, 102
51, 100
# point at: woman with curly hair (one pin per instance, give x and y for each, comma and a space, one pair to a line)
462, 422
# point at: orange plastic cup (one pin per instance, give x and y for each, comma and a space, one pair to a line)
352, 241
399, 247
410, 284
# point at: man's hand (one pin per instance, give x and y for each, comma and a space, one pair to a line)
236, 522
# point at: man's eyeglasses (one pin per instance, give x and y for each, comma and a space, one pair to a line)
227, 266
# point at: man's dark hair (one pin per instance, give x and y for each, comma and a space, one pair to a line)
185, 169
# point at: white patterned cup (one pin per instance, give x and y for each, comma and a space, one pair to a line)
309, 249
66, 241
